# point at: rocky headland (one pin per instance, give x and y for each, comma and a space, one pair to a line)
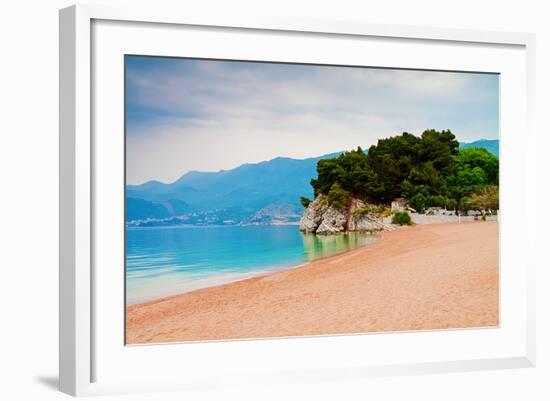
321, 218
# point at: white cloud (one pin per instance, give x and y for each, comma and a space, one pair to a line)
216, 115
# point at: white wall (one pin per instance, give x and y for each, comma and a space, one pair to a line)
28, 200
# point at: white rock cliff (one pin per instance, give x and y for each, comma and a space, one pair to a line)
320, 218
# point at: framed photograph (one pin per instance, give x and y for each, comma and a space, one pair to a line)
273, 200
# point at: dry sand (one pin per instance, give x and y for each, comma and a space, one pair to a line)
423, 277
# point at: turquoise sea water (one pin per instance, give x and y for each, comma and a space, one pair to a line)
162, 261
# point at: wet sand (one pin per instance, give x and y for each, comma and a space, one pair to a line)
436, 276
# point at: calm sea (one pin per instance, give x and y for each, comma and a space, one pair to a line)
162, 261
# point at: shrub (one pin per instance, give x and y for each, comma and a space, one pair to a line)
305, 201
401, 218
372, 210
485, 198
418, 202
360, 211
377, 210
338, 198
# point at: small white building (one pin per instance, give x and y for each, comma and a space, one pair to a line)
398, 205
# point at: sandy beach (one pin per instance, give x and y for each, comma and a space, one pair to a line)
421, 277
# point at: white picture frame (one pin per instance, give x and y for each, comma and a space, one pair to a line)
79, 314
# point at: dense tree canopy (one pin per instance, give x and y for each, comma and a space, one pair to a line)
429, 170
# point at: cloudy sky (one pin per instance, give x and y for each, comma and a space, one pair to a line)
184, 114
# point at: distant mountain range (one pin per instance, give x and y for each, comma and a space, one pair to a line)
260, 193
492, 145
251, 193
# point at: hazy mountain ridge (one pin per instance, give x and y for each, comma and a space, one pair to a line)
237, 195
492, 145
267, 192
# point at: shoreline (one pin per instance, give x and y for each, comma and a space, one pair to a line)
260, 274
343, 293
240, 276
